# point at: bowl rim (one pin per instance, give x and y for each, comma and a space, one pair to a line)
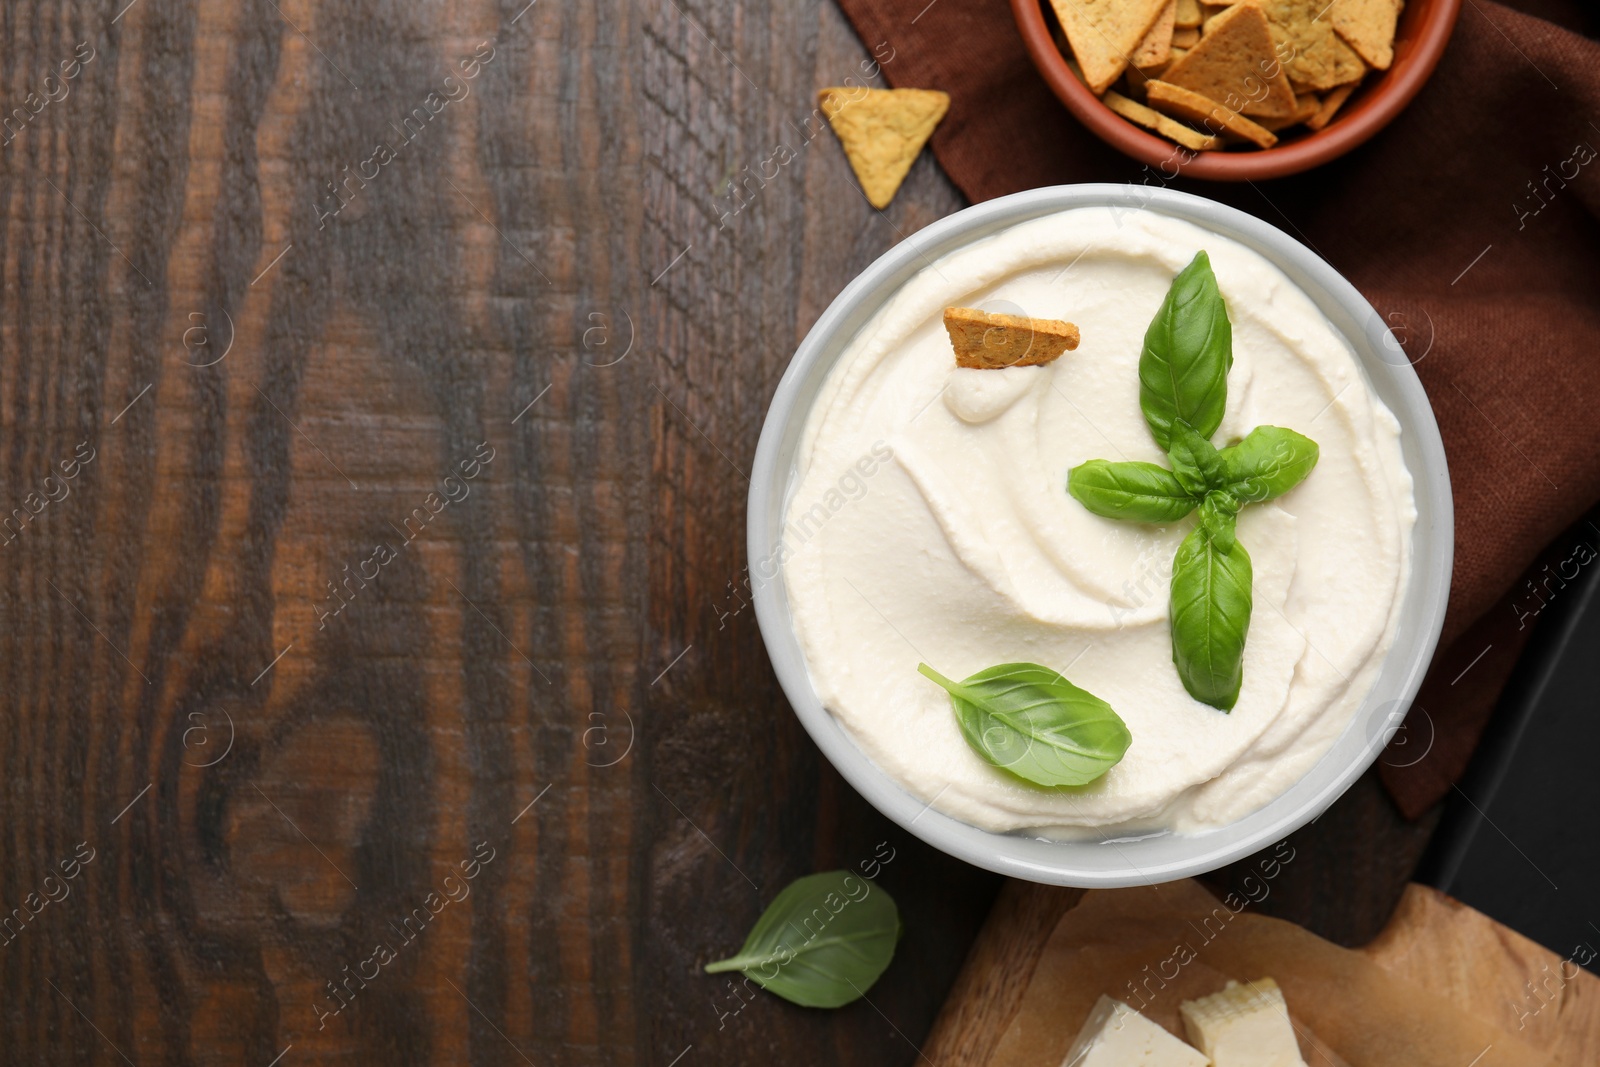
1374, 108
1167, 856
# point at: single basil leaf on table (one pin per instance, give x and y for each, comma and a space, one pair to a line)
1217, 514
1269, 462
1032, 722
1210, 614
1196, 464
822, 942
1136, 492
1188, 349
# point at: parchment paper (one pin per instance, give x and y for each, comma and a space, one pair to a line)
1156, 946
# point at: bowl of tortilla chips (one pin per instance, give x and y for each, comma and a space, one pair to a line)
1235, 91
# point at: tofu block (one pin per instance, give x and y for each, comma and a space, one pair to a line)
1115, 1035
1243, 1026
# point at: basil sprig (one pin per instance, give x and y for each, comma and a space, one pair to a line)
822, 942
1032, 722
1183, 392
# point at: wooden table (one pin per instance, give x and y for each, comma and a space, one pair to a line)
408, 361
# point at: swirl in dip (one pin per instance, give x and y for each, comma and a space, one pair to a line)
929, 522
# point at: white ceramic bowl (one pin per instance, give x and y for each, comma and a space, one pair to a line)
1161, 857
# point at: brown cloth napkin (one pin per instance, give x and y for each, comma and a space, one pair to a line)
1466, 226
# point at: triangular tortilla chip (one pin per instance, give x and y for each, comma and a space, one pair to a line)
882, 131
1368, 27
1156, 48
1171, 129
1104, 33
1307, 104
986, 340
1317, 57
1235, 65
1330, 106
1192, 107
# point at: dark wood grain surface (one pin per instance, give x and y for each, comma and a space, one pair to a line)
378, 385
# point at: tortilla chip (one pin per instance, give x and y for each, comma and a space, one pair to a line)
1305, 107
1138, 77
1104, 33
1186, 38
987, 341
1134, 81
1330, 104
1234, 64
1367, 26
1190, 105
1156, 48
1188, 13
1316, 56
1169, 128
882, 131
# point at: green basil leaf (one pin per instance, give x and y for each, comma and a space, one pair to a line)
1188, 349
1137, 492
1269, 462
1210, 614
1032, 722
1197, 465
1183, 392
822, 942
1217, 514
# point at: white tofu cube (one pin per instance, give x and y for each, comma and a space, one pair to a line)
1243, 1026
1115, 1035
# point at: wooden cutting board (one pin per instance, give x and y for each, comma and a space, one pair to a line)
1433, 940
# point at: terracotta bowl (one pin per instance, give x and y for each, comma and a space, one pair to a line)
1420, 38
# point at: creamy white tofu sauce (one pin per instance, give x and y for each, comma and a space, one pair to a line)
929, 521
